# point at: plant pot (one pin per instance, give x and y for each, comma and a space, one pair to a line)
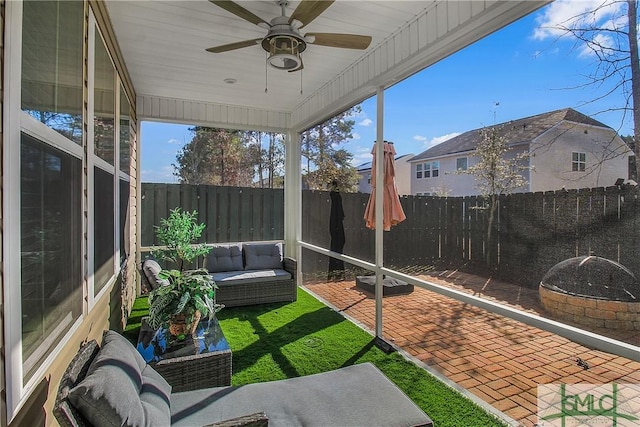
178, 324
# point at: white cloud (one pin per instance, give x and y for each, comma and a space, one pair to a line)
420, 138
174, 141
439, 139
365, 122
355, 136
571, 13
162, 174
361, 155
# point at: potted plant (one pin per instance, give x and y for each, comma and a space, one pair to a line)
189, 294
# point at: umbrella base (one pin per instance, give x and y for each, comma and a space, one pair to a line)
390, 286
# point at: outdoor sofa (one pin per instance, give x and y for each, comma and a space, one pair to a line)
112, 385
245, 273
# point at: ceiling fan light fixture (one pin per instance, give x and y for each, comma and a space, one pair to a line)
284, 52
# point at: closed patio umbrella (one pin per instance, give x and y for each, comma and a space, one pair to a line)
392, 209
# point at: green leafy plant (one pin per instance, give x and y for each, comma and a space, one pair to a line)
177, 235
187, 291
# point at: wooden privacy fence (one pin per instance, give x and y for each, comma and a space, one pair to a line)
231, 214
532, 231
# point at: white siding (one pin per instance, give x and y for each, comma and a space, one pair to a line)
551, 158
210, 114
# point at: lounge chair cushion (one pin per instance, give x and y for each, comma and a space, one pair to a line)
152, 270
121, 389
344, 397
260, 256
224, 258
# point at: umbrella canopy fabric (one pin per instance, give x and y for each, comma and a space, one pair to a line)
392, 209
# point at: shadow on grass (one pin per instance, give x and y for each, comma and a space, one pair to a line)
270, 342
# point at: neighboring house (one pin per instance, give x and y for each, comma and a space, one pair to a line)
403, 175
567, 149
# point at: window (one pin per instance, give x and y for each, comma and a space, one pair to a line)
427, 170
435, 169
103, 229
578, 162
52, 34
461, 164
124, 215
104, 102
419, 170
125, 131
369, 179
50, 247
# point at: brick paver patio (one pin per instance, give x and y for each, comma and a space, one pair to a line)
499, 360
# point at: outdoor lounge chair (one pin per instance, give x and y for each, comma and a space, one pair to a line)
112, 385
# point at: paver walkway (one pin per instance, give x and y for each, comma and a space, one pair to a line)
498, 359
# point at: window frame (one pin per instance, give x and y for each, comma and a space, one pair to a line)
578, 161
466, 163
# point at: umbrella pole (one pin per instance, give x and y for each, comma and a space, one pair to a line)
379, 237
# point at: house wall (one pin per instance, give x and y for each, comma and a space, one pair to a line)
109, 310
403, 176
364, 184
607, 158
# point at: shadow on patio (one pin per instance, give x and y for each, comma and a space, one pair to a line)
497, 359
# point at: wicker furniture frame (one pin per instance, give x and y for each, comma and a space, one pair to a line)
194, 371
68, 416
239, 294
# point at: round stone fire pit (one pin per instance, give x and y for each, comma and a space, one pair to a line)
592, 291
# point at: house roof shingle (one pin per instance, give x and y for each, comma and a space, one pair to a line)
515, 131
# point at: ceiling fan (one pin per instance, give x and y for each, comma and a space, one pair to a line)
283, 42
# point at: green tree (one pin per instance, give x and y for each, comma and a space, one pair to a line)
323, 161
214, 157
496, 172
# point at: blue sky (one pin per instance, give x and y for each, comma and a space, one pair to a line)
519, 71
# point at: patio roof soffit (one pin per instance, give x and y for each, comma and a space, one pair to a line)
441, 30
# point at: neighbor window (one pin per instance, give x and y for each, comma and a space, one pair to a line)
578, 161
427, 169
435, 169
461, 164
51, 247
419, 170
369, 179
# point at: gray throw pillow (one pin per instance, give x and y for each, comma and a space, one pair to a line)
224, 258
152, 270
121, 389
260, 256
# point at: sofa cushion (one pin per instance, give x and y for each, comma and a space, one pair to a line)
224, 258
121, 389
151, 270
258, 256
249, 276
358, 395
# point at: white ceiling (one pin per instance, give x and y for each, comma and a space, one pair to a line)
164, 42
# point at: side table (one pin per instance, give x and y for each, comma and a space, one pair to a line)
198, 361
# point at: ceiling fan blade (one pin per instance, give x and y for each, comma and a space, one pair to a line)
233, 46
347, 41
241, 12
308, 10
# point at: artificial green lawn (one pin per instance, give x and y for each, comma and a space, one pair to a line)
277, 341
